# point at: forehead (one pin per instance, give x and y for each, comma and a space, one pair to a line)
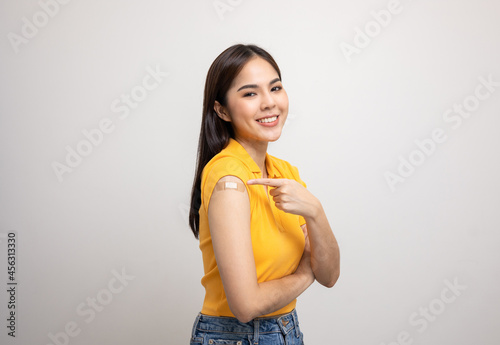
256, 71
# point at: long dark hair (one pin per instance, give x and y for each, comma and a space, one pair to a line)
215, 132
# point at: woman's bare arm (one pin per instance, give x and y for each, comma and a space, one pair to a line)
325, 255
229, 221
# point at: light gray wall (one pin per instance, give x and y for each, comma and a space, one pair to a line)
358, 107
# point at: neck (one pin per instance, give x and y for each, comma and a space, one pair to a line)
257, 150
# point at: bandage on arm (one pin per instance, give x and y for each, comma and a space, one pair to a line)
234, 184
228, 185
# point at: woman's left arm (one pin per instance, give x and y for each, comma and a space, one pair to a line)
292, 197
325, 254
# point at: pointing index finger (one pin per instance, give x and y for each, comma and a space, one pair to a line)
273, 182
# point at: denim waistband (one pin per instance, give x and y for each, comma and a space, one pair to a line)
284, 323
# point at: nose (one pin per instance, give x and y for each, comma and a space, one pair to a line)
267, 101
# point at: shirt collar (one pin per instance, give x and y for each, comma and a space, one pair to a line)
240, 151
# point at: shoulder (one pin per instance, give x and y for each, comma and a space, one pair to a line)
225, 168
225, 165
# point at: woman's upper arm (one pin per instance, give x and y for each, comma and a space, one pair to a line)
229, 222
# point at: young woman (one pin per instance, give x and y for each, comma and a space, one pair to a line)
264, 237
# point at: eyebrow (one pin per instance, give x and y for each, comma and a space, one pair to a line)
255, 86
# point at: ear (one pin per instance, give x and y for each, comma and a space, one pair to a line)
222, 111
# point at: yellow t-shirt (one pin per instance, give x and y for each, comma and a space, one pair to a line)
277, 239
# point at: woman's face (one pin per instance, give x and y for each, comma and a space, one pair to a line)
256, 94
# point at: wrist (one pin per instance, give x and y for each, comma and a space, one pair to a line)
315, 210
309, 278
305, 274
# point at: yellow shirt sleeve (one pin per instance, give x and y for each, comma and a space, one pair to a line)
220, 168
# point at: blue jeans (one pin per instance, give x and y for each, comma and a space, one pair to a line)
274, 330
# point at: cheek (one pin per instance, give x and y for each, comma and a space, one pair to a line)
283, 101
240, 111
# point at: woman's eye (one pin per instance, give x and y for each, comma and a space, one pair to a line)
274, 89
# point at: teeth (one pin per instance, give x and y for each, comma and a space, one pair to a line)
269, 119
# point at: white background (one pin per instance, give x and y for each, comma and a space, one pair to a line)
124, 206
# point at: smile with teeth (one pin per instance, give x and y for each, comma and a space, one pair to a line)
268, 119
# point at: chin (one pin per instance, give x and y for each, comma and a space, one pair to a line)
274, 137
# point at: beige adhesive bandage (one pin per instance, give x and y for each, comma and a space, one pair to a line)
225, 185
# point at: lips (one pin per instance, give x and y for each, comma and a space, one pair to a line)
269, 121
267, 116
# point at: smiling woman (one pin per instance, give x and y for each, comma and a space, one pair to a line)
264, 237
